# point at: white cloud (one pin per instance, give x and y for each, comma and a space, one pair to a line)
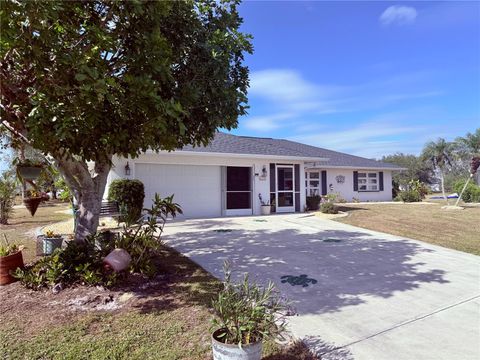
267, 123
398, 15
292, 98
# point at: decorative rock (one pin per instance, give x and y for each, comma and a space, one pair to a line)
57, 288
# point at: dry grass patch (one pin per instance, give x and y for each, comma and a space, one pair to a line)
455, 229
22, 226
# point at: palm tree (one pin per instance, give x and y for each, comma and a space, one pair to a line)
468, 147
470, 144
439, 153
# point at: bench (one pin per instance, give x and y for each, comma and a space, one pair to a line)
107, 209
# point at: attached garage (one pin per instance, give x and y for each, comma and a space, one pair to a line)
196, 188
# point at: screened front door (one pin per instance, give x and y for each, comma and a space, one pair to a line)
238, 199
285, 194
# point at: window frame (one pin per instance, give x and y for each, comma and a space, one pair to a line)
313, 190
365, 178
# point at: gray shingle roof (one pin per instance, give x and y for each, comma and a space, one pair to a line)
233, 144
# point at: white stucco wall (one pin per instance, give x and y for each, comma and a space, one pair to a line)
259, 185
346, 189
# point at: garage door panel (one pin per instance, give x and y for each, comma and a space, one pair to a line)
196, 188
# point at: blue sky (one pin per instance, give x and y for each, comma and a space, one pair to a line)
368, 78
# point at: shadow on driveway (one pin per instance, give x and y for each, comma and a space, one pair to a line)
346, 264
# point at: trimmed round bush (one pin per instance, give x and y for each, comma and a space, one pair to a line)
129, 194
409, 196
328, 208
471, 193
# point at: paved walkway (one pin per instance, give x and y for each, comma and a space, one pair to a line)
377, 296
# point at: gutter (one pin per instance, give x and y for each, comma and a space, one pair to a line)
236, 155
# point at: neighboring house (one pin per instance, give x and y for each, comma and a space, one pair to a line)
226, 177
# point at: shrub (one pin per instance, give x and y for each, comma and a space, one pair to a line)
77, 263
409, 196
419, 187
334, 197
83, 262
247, 313
7, 197
143, 240
328, 208
129, 194
471, 193
313, 202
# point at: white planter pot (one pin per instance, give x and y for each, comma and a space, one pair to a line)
265, 209
118, 260
223, 351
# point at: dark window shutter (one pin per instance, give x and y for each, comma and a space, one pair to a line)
380, 179
324, 182
297, 177
355, 181
272, 178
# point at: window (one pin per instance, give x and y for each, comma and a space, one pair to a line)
312, 183
367, 181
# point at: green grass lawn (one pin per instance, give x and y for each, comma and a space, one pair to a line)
455, 229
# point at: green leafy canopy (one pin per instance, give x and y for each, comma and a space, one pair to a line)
96, 78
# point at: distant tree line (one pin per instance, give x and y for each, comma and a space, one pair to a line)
441, 162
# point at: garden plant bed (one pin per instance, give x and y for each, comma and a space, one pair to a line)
452, 229
166, 317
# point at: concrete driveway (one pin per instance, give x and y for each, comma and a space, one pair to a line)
377, 296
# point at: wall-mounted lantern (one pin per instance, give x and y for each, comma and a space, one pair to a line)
127, 169
264, 171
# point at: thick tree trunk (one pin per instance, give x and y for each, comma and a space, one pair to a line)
88, 185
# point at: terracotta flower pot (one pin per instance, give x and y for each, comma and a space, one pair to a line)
7, 264
32, 204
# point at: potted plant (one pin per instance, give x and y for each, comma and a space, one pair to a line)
51, 241
29, 169
10, 259
265, 207
246, 314
32, 201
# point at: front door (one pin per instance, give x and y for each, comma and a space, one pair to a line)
285, 194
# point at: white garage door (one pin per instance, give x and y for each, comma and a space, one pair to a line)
196, 188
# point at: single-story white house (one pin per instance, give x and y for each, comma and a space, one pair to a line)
226, 177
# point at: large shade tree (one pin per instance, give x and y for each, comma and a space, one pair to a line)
85, 80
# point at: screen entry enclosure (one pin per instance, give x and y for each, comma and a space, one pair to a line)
238, 190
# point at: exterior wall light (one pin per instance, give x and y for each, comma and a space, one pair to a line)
127, 169
264, 171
